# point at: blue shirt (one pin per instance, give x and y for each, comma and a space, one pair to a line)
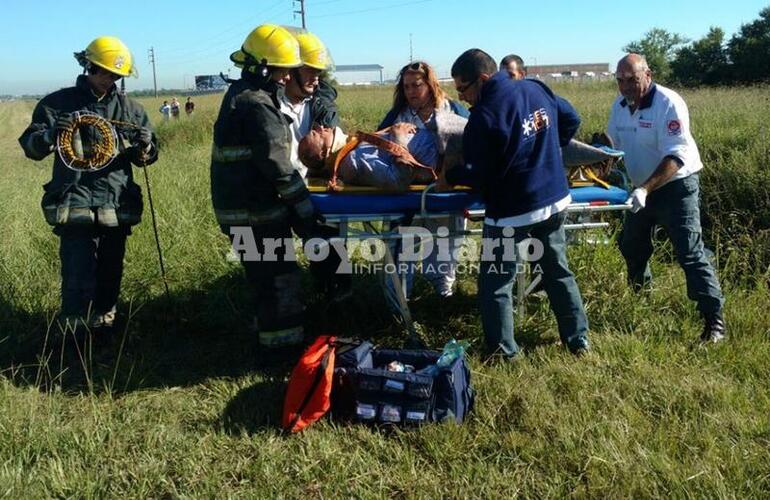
512, 146
368, 165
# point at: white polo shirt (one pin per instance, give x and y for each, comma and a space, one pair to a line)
300, 127
659, 127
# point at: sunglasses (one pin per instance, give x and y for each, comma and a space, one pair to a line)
462, 88
417, 66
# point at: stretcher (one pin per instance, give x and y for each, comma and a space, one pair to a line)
357, 210
366, 205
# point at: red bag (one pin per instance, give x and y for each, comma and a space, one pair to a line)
308, 396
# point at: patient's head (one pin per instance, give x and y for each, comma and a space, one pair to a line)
314, 148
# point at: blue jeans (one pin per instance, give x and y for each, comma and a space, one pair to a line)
674, 206
436, 269
497, 276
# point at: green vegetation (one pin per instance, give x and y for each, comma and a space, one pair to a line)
184, 404
711, 60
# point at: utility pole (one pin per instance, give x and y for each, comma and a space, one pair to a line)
152, 61
301, 11
410, 48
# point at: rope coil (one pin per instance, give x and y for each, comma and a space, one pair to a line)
102, 152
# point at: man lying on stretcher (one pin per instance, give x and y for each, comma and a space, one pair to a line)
401, 155
391, 159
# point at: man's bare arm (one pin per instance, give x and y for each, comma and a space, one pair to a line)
666, 169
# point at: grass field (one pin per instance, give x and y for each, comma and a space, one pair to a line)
183, 404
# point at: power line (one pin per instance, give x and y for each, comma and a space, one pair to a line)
316, 4
371, 9
232, 41
229, 31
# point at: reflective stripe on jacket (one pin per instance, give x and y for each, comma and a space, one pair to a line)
252, 178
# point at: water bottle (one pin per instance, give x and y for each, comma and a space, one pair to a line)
452, 350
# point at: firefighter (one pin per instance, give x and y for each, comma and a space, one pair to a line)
92, 212
309, 101
254, 185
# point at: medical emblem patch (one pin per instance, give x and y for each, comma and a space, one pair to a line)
674, 127
536, 122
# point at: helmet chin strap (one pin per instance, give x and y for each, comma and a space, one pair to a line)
297, 76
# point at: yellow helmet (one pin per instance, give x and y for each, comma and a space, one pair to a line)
312, 50
268, 44
110, 53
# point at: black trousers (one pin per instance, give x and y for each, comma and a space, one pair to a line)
91, 267
273, 275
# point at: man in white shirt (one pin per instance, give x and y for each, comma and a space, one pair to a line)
651, 124
308, 100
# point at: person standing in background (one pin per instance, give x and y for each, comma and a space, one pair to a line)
189, 106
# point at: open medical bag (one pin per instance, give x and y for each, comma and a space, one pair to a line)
367, 391
361, 387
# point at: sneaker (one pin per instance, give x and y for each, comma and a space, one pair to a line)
104, 321
443, 288
581, 351
580, 347
498, 357
714, 329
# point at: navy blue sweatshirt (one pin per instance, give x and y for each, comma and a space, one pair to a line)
512, 146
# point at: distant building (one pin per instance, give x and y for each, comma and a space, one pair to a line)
370, 70
209, 82
569, 71
568, 68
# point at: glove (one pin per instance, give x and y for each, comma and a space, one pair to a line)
143, 139
305, 228
63, 121
304, 220
638, 199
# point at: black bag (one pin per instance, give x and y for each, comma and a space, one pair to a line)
366, 391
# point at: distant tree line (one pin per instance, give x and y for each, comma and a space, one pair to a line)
712, 60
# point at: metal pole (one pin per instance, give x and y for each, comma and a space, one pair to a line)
410, 48
157, 237
154, 80
301, 12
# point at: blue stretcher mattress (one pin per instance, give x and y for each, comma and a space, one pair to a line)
348, 204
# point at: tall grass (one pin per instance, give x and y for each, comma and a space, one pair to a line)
183, 402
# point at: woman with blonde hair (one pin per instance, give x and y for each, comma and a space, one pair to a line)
418, 96
419, 99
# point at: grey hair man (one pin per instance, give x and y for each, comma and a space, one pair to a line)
651, 124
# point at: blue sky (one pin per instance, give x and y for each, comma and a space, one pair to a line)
37, 38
